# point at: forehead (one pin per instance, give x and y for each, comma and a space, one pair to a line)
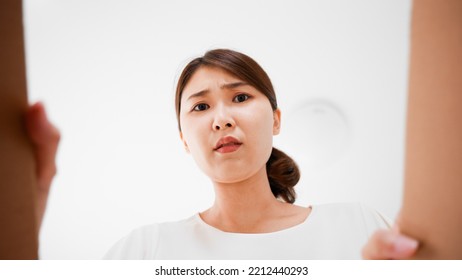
207, 77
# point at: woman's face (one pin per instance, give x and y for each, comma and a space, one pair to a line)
227, 125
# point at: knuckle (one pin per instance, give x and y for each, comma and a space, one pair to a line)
49, 172
56, 134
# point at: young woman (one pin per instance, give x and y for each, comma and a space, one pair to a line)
227, 115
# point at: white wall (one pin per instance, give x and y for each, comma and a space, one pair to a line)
106, 70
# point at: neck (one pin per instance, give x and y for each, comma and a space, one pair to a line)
241, 206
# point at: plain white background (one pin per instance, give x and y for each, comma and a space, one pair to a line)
106, 71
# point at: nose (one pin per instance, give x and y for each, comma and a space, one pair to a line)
223, 120
218, 127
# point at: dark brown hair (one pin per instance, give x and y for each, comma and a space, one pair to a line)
283, 172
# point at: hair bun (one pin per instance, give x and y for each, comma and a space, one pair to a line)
283, 175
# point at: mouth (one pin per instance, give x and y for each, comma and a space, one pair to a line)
227, 144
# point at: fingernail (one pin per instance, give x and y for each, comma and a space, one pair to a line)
405, 244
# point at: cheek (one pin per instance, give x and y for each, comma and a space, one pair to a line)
258, 127
193, 131
260, 119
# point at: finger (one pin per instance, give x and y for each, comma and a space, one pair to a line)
385, 244
38, 125
45, 138
404, 247
379, 246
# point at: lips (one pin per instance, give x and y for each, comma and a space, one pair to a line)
227, 144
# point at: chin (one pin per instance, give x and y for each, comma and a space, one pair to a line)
235, 173
232, 178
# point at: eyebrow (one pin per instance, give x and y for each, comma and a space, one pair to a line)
224, 86
233, 85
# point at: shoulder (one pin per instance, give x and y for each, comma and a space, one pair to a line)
352, 213
340, 230
142, 242
135, 245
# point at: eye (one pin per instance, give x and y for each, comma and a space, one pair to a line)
201, 107
241, 98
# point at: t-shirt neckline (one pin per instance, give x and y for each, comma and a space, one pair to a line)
305, 222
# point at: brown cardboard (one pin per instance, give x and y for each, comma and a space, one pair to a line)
18, 232
432, 206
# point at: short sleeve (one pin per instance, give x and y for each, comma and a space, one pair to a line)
140, 244
374, 220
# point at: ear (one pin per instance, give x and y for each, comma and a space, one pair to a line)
277, 121
184, 142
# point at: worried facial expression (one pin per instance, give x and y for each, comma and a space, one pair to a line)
227, 125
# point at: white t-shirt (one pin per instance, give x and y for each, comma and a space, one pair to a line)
331, 231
